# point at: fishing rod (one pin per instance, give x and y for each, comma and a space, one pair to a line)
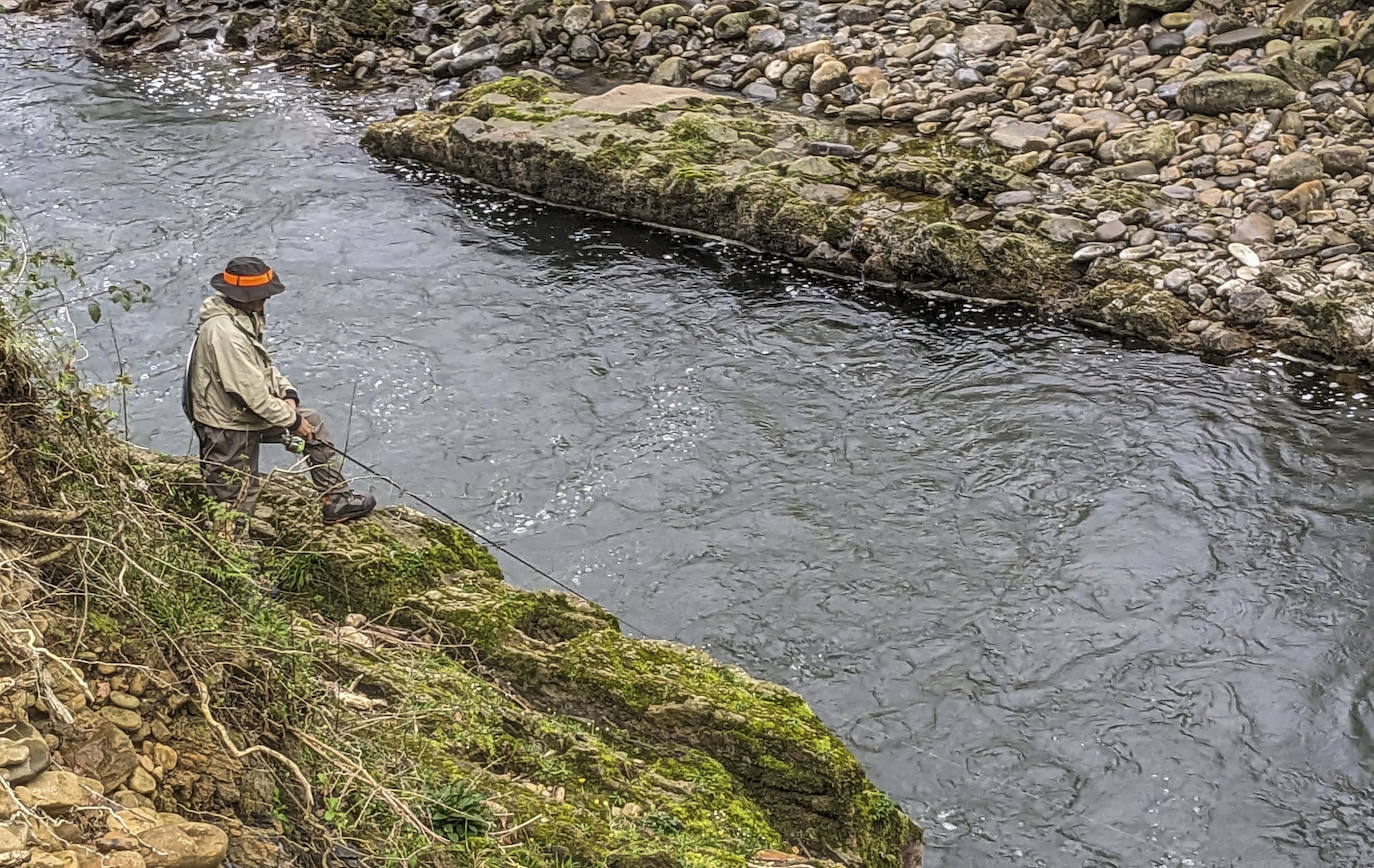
297, 444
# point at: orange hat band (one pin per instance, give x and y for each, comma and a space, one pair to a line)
248, 279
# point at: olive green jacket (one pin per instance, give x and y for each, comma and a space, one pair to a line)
230, 379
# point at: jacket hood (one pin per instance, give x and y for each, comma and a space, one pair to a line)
217, 305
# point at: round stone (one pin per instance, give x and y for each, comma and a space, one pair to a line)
1244, 254
1167, 43
123, 700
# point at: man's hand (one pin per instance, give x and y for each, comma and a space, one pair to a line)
305, 432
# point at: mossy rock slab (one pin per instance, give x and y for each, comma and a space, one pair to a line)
681, 158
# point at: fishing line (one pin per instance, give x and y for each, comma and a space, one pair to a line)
479, 535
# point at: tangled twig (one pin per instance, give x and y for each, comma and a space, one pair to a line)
393, 801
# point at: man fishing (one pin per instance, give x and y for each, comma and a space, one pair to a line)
237, 399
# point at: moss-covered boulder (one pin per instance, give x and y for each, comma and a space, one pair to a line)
1134, 307
849, 200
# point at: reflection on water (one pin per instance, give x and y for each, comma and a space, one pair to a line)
1072, 602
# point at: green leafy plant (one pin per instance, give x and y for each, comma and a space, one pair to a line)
457, 812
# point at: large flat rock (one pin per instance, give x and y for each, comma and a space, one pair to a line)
629, 98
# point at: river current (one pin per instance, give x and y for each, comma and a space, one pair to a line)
1071, 602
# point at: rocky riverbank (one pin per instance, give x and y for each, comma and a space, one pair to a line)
1206, 160
358, 695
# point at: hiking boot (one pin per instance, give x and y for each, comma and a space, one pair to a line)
347, 505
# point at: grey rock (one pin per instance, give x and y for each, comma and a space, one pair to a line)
1113, 230
857, 13
1168, 43
1254, 228
1219, 339
1130, 171
1095, 250
166, 38
1285, 67
1343, 159
672, 72
1054, 14
1133, 13
765, 38
473, 59
1241, 37
585, 47
1178, 280
1251, 305
861, 112
761, 91
1289, 171
984, 39
1319, 54
577, 19
1014, 136
966, 77
514, 52
26, 752
1012, 198
479, 16
1064, 229
1243, 254
970, 96
1215, 93
1156, 144
1294, 12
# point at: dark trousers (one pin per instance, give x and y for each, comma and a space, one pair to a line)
229, 461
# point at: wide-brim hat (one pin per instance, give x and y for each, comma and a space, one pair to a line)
247, 279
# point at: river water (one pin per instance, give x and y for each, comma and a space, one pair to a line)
1071, 602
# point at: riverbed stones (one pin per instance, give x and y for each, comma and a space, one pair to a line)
663, 14
1214, 116
672, 72
858, 13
